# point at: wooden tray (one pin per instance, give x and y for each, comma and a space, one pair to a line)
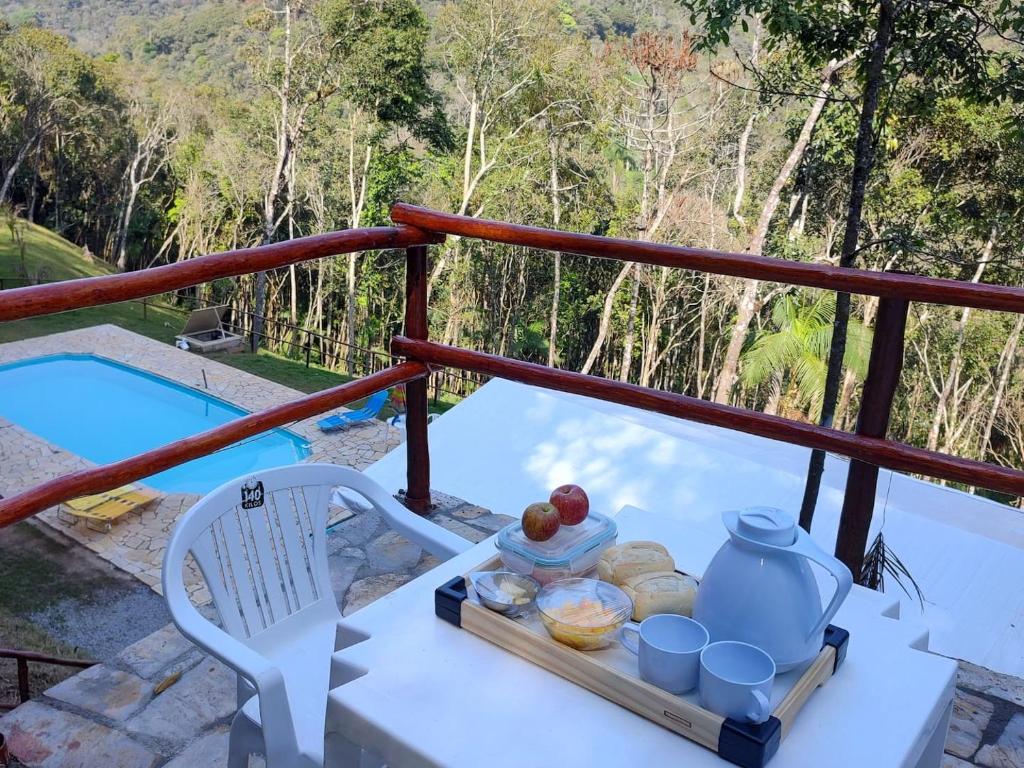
743, 744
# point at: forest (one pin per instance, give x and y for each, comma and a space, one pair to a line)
884, 135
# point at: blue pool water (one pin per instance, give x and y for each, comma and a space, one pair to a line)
105, 411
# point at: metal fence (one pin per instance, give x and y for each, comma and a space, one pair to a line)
298, 343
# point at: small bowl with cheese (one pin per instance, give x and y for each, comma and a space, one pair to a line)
506, 592
584, 614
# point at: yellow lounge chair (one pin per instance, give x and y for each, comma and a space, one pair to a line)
101, 509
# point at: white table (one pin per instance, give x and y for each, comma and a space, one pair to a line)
417, 691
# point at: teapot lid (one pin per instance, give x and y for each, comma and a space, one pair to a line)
764, 525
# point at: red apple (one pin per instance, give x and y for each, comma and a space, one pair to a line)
572, 504
540, 521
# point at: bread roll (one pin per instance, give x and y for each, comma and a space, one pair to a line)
664, 592
632, 559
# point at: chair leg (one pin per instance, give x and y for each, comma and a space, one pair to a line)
339, 752
66, 517
245, 739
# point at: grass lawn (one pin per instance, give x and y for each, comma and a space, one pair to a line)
58, 259
19, 634
51, 257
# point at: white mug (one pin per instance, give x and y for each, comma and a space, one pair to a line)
668, 647
736, 681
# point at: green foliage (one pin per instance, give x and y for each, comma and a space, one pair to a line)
379, 47
501, 109
945, 48
795, 351
394, 173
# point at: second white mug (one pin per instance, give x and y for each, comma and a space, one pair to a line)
736, 681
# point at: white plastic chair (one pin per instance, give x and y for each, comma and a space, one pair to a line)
260, 542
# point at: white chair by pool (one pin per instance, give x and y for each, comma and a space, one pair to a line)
260, 542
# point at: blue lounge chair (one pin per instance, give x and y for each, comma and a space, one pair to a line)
369, 411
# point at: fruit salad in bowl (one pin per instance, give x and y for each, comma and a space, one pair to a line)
584, 614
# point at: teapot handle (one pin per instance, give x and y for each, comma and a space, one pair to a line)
806, 546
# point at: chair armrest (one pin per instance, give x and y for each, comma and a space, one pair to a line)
275, 708
218, 643
438, 541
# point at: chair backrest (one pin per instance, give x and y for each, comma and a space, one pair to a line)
375, 402
260, 542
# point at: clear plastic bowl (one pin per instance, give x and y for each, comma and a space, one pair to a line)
573, 551
584, 614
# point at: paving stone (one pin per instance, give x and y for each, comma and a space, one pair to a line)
427, 563
204, 696
343, 571
461, 529
153, 653
208, 751
468, 512
43, 737
365, 591
990, 683
360, 529
493, 523
392, 552
1008, 751
105, 691
971, 715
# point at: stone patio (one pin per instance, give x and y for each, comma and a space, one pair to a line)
988, 720
110, 715
136, 543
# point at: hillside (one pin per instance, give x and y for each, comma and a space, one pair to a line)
89, 24
199, 41
48, 256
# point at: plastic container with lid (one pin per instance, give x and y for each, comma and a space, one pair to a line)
573, 551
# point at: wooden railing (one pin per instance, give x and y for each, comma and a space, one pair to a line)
419, 227
22, 658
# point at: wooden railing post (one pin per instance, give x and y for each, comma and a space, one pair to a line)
883, 377
23, 687
417, 494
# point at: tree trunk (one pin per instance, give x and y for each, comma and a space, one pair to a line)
357, 201
747, 304
556, 218
741, 168
864, 157
5, 188
627, 343
702, 334
850, 380
293, 280
350, 316
956, 360
606, 316
1009, 355
129, 206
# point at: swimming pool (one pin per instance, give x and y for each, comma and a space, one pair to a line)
106, 411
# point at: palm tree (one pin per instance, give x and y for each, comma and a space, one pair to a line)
792, 356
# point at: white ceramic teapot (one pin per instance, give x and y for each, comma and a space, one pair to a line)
759, 587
